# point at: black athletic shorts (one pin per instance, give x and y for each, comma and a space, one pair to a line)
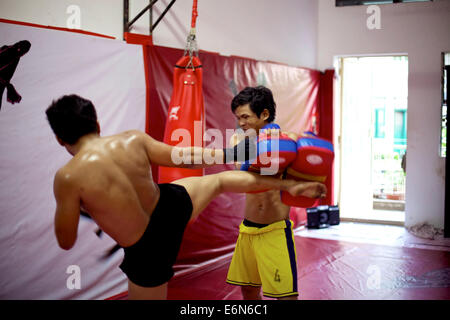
149, 262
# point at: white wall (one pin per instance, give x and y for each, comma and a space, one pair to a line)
420, 30
111, 75
306, 33
283, 31
100, 16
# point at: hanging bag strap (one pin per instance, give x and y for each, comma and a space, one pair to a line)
191, 45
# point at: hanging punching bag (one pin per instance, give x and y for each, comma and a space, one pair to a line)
186, 115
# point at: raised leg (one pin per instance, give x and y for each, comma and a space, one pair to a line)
203, 189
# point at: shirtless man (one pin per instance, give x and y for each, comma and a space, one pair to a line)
265, 253
110, 179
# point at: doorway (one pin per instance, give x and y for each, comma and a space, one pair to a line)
372, 138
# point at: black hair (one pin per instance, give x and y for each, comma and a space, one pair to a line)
259, 98
72, 117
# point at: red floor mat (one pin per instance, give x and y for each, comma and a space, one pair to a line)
329, 269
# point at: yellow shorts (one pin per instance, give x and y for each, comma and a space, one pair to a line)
266, 257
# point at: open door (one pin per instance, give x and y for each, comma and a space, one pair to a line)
373, 117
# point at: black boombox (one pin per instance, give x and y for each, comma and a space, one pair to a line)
322, 217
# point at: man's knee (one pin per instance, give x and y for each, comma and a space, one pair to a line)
221, 181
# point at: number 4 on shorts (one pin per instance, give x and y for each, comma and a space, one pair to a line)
277, 276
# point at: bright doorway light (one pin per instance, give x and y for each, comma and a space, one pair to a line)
373, 139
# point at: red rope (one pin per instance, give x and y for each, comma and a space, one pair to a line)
194, 14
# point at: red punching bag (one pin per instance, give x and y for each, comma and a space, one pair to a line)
186, 115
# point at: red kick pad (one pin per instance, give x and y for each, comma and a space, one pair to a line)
313, 163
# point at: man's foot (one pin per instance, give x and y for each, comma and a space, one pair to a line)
308, 189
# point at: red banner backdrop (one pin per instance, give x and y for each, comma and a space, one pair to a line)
296, 92
326, 123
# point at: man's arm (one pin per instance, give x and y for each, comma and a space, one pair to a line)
189, 157
234, 140
166, 155
67, 213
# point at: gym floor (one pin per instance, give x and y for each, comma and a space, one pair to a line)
389, 235
350, 261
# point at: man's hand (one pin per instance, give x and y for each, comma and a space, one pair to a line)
243, 151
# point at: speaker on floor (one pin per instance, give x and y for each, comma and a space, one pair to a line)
322, 217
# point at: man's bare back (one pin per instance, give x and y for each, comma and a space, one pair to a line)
112, 178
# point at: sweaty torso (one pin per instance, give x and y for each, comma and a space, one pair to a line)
113, 176
264, 207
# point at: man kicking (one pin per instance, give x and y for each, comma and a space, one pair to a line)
110, 179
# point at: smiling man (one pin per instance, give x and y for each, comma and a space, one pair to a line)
265, 254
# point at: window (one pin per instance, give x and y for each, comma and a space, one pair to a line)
400, 127
342, 3
380, 120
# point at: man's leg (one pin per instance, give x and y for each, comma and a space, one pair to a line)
136, 292
251, 293
254, 293
204, 189
288, 298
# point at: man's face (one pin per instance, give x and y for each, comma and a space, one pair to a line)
247, 119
